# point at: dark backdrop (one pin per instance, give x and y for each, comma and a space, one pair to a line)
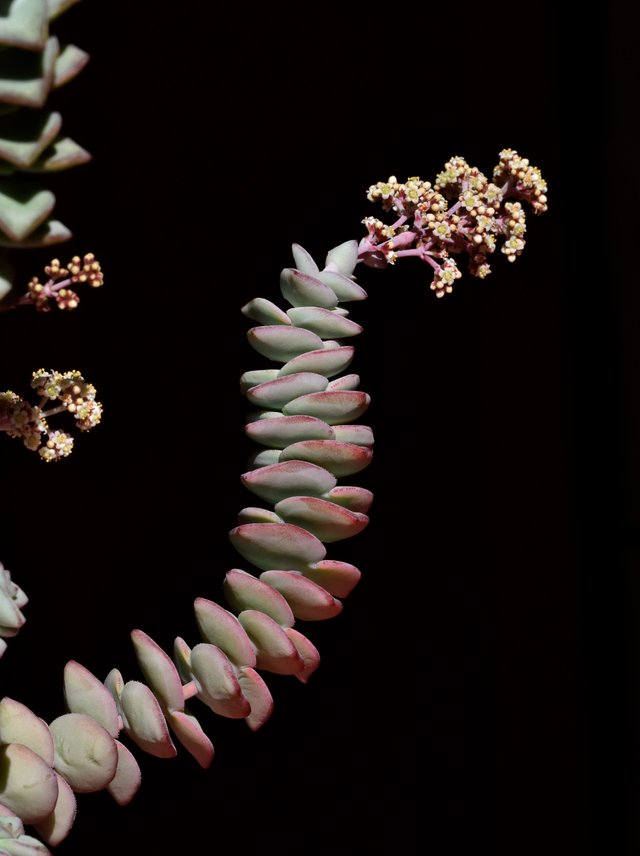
478, 694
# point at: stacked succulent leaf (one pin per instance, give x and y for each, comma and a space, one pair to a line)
32, 64
302, 421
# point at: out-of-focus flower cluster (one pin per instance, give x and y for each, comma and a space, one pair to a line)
57, 289
29, 422
463, 212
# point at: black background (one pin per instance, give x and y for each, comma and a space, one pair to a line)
479, 692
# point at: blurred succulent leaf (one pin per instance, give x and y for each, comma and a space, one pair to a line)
344, 288
189, 732
23, 137
51, 232
25, 76
86, 754
28, 785
57, 7
55, 828
24, 24
263, 458
64, 153
18, 724
84, 693
255, 377
244, 591
126, 782
26, 845
22, 207
361, 435
253, 514
220, 627
69, 62
351, 497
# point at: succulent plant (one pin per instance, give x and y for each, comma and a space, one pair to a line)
32, 64
305, 417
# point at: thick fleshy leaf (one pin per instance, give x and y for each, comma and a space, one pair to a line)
277, 545
304, 260
144, 721
265, 312
159, 671
18, 724
182, 658
302, 289
307, 652
342, 286
308, 600
244, 591
278, 481
340, 459
22, 208
323, 322
343, 258
258, 515
28, 785
114, 682
274, 394
10, 616
324, 519
353, 498
361, 435
55, 828
63, 154
258, 695
70, 62
222, 628
86, 754
263, 458
126, 782
26, 845
284, 430
84, 693
57, 7
23, 137
24, 24
25, 76
332, 407
324, 361
6, 278
218, 686
189, 732
348, 381
276, 652
338, 578
49, 233
253, 378
280, 343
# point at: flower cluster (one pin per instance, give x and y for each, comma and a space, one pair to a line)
463, 212
56, 288
29, 422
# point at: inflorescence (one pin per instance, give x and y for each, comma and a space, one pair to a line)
29, 422
428, 227
56, 288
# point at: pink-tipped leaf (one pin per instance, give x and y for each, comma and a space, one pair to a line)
244, 591
334, 408
189, 732
28, 785
278, 481
84, 693
215, 677
159, 671
144, 721
276, 653
325, 361
307, 652
338, 578
308, 600
126, 782
86, 754
220, 627
340, 459
19, 724
277, 545
55, 828
324, 519
257, 693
